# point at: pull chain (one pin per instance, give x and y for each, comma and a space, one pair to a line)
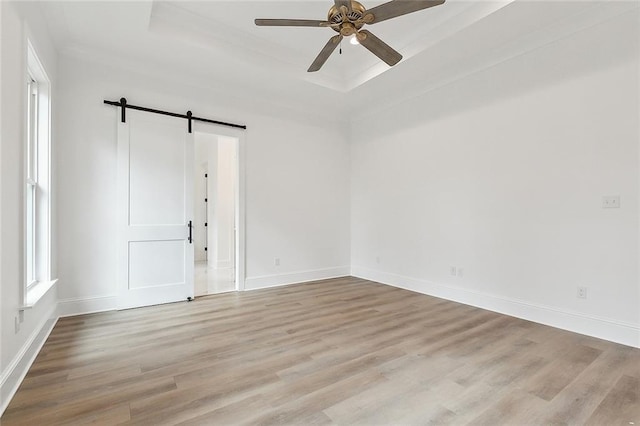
341, 46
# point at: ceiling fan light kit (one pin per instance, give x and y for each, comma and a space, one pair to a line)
347, 17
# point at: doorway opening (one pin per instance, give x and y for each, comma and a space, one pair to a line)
216, 212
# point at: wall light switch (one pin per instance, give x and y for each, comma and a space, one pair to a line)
611, 202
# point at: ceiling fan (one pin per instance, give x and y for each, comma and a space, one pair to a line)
347, 17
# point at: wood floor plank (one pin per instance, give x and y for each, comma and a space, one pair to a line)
315, 401
472, 400
116, 415
553, 378
583, 396
516, 407
621, 406
340, 351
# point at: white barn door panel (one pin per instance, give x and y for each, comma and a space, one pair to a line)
155, 190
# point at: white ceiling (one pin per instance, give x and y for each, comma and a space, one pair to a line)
230, 26
216, 43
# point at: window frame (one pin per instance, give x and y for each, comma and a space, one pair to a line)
37, 278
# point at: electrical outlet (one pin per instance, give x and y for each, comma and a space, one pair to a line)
276, 261
611, 202
453, 271
460, 272
582, 293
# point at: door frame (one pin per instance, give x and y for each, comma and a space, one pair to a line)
240, 213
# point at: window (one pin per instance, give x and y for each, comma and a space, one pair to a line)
37, 196
32, 181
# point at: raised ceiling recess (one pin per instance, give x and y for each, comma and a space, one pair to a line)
347, 17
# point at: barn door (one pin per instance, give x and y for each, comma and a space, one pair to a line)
155, 190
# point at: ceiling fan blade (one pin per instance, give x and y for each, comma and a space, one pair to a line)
291, 23
379, 48
396, 8
326, 51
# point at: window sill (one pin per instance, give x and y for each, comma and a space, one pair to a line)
36, 293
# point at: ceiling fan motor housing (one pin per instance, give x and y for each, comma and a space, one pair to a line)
350, 21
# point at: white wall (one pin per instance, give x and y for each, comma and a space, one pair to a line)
18, 347
502, 174
297, 203
201, 153
222, 212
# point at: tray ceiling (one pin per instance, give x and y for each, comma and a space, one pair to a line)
215, 43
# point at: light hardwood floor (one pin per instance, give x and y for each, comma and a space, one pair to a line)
342, 351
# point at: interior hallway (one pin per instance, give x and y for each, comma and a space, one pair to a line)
213, 281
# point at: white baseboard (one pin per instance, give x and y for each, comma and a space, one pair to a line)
266, 281
602, 328
14, 374
80, 306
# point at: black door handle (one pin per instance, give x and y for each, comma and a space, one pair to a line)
190, 225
